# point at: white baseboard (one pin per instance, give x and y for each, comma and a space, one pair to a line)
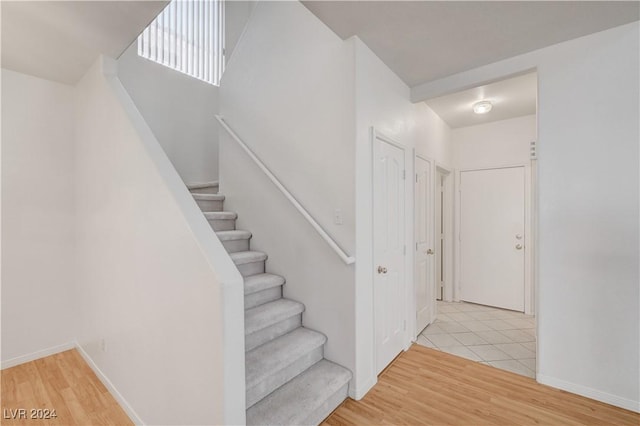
112, 389
605, 397
362, 390
37, 355
74, 345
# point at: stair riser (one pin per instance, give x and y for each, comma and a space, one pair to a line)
252, 268
305, 400
327, 407
261, 297
281, 328
210, 205
206, 190
234, 246
278, 378
222, 224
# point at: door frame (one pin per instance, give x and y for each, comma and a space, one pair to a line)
530, 237
407, 285
431, 204
448, 215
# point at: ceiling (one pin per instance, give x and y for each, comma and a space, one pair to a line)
510, 98
425, 40
59, 40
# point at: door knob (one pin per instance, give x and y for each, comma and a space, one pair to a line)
519, 246
429, 251
382, 270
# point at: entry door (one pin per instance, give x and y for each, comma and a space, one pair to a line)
492, 237
424, 277
388, 251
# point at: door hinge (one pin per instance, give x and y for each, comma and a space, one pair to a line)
404, 174
404, 250
416, 178
416, 246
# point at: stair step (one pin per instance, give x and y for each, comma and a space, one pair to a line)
210, 197
262, 288
220, 215
261, 282
249, 262
221, 221
271, 320
306, 400
203, 188
235, 241
209, 202
275, 363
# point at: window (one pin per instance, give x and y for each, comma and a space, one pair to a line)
188, 36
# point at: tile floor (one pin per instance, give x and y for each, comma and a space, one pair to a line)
497, 337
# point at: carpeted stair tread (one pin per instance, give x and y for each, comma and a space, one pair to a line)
237, 234
298, 402
209, 197
242, 257
279, 353
204, 188
268, 314
276, 362
220, 215
259, 282
201, 185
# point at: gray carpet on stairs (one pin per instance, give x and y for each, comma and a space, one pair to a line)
288, 381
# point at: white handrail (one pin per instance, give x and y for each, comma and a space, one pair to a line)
345, 257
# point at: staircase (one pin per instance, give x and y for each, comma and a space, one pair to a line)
288, 381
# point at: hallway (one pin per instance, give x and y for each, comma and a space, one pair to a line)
492, 336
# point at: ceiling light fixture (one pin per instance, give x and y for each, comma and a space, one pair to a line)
482, 107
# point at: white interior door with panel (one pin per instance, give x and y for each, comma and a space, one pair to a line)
444, 219
388, 250
424, 252
439, 235
492, 237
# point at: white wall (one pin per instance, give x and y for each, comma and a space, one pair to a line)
153, 281
179, 109
433, 136
304, 101
236, 16
38, 302
499, 143
588, 176
588, 132
382, 102
288, 92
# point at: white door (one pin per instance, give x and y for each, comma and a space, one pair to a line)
439, 235
492, 240
388, 251
424, 277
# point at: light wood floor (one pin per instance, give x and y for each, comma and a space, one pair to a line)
64, 383
423, 386
427, 387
